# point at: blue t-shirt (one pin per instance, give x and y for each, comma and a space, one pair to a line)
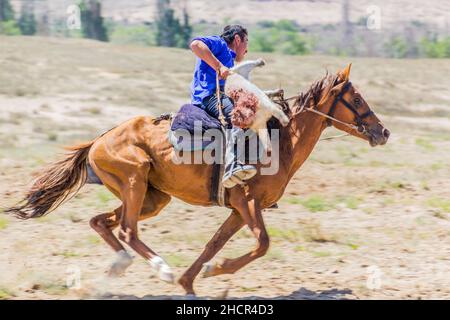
204, 82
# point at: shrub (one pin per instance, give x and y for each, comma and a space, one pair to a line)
435, 48
139, 34
9, 28
282, 36
396, 48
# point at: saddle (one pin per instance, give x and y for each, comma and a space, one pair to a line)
195, 121
205, 131
192, 129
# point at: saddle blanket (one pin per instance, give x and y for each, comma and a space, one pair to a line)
193, 129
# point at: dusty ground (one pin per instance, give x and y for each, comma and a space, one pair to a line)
356, 222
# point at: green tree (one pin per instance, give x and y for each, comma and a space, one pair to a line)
293, 43
286, 25
92, 24
281, 36
436, 48
169, 31
9, 28
260, 41
167, 26
6, 11
397, 48
8, 25
27, 22
186, 31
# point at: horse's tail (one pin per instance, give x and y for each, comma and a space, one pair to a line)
55, 184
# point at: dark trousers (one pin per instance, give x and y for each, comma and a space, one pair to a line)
209, 104
235, 168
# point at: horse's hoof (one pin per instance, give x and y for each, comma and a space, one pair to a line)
123, 261
166, 274
163, 269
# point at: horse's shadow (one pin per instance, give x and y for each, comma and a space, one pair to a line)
300, 294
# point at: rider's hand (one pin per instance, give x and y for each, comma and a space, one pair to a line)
224, 72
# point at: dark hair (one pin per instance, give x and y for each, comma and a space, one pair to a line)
231, 30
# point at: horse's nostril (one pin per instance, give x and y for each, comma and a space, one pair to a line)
386, 133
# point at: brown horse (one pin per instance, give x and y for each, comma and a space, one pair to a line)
134, 161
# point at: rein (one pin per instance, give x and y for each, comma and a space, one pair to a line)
359, 117
219, 101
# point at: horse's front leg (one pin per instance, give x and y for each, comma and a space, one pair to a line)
252, 215
225, 232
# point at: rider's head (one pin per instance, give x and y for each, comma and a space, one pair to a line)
236, 37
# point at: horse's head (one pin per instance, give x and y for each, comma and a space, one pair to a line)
346, 104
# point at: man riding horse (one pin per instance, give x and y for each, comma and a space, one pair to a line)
218, 54
134, 161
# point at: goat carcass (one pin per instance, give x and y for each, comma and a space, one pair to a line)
252, 106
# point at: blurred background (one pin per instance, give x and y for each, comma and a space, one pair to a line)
400, 29
355, 222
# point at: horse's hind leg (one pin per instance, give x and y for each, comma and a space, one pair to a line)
139, 202
225, 232
105, 223
133, 190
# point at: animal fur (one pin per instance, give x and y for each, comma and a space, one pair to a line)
246, 105
253, 108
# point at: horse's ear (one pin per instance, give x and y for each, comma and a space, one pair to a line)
344, 75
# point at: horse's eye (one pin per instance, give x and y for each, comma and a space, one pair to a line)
357, 101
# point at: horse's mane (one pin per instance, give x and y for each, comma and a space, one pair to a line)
316, 94
318, 91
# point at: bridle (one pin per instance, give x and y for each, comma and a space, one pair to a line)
359, 118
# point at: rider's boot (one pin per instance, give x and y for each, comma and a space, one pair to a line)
236, 171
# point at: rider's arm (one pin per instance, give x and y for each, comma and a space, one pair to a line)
202, 51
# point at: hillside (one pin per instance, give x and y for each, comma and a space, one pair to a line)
305, 12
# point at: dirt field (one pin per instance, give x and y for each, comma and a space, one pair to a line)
355, 222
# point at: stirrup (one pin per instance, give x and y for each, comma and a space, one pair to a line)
245, 172
231, 181
238, 175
